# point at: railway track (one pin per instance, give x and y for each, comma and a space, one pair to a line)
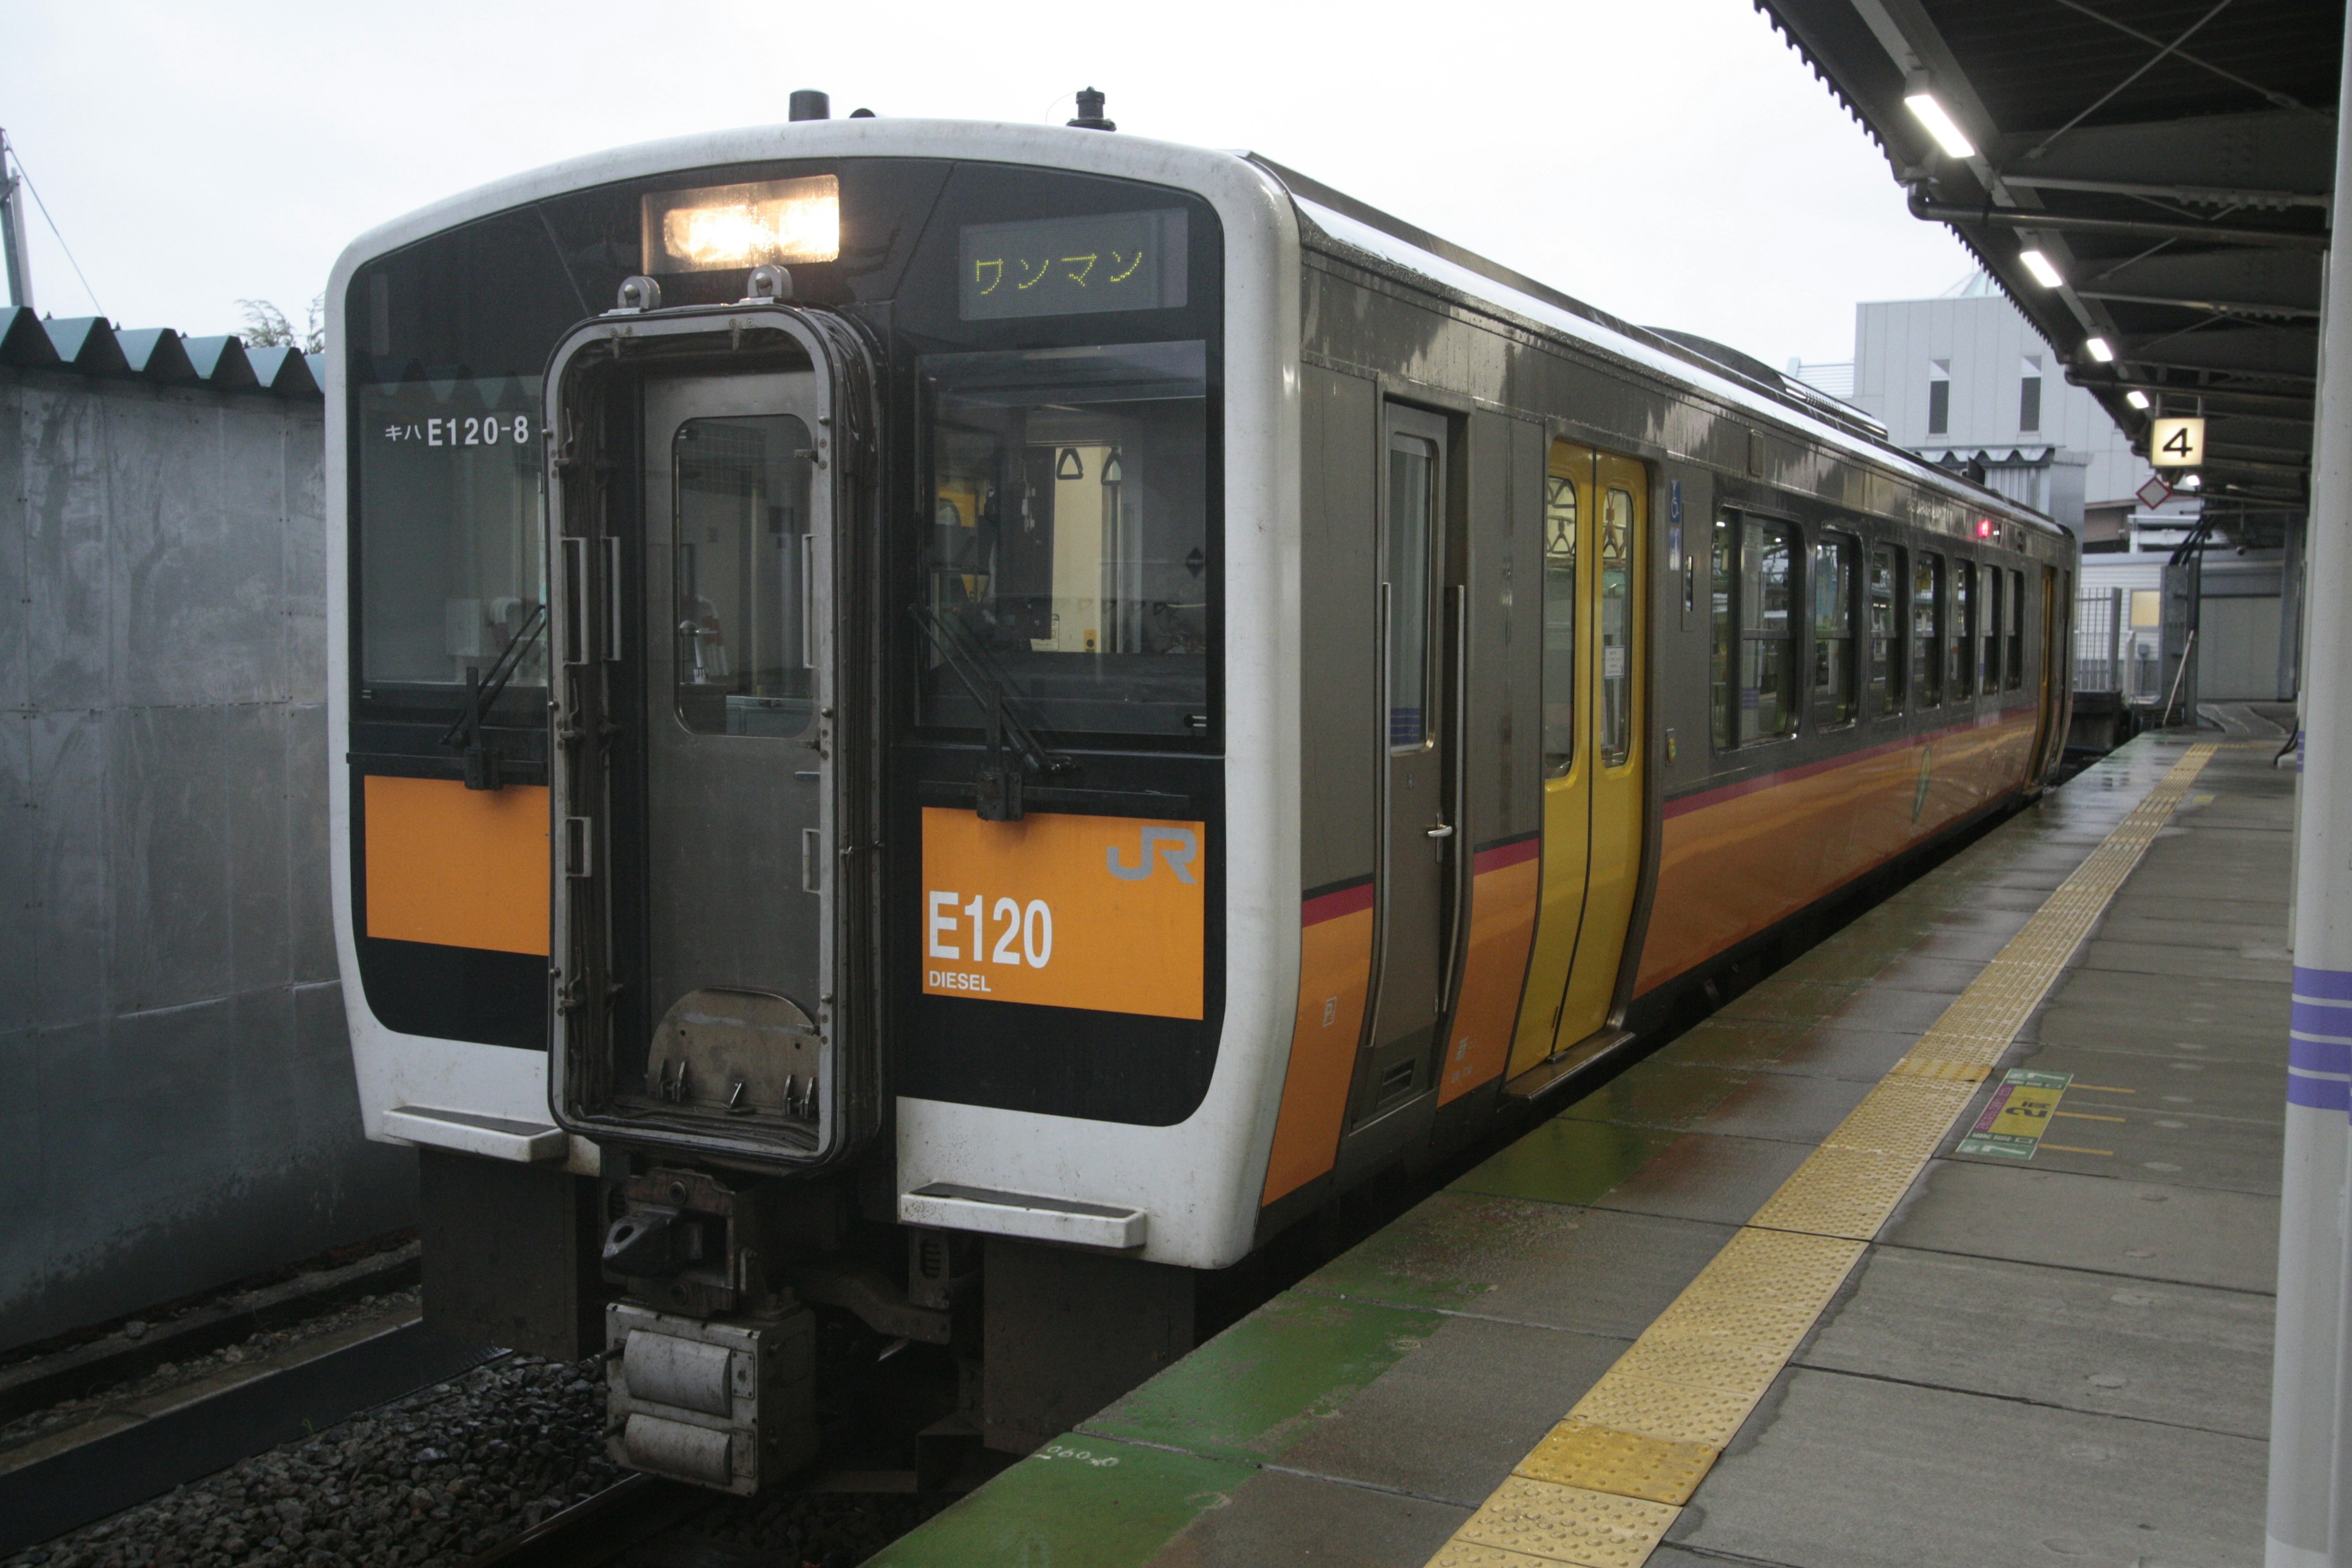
626, 1525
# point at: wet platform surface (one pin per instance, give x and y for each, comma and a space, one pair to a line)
2051, 1345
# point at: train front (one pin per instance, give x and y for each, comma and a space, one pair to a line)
813, 688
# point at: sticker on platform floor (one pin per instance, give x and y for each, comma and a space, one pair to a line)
2018, 1115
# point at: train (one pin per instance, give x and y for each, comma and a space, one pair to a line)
941, 728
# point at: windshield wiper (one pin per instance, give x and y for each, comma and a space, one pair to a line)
482, 764
1013, 748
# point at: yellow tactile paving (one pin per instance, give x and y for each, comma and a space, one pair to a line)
1460, 1553
1632, 1400
1602, 1488
1624, 1464
1557, 1524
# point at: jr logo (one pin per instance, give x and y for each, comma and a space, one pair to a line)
1177, 846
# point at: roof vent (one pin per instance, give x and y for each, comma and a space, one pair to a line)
1090, 112
810, 104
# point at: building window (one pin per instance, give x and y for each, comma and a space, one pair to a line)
2028, 394
1939, 397
1886, 628
1834, 567
1927, 629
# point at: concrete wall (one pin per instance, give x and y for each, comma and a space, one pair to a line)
176, 1100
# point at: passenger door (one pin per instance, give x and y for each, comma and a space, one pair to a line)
1420, 654
1596, 533
1621, 494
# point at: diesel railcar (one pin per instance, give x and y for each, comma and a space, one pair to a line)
941, 726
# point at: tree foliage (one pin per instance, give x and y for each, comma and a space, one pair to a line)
266, 327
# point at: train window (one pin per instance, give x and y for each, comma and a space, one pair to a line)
741, 511
453, 558
1413, 515
1927, 629
1069, 561
1767, 631
2013, 667
1885, 629
1959, 640
1995, 601
1722, 690
1560, 625
1833, 667
1616, 626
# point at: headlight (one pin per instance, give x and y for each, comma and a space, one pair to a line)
782, 221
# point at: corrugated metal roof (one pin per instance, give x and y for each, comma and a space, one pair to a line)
2170, 160
95, 347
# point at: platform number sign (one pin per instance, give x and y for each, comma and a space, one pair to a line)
2177, 442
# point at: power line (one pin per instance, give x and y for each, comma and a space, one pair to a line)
26, 174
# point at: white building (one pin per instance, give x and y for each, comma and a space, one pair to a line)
1965, 381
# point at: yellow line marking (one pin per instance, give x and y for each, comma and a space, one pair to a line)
2070, 1149
1604, 1486
2086, 1116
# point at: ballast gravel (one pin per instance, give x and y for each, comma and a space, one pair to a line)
442, 1476
431, 1479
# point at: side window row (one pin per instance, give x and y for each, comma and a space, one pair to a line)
1933, 628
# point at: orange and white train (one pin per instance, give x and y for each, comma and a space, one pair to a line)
938, 715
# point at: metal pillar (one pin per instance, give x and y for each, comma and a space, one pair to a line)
13, 243
2310, 1515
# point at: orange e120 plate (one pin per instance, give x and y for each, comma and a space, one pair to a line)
1106, 913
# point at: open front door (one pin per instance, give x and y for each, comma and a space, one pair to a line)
710, 990
738, 909
1595, 534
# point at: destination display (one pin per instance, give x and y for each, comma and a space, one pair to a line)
1066, 266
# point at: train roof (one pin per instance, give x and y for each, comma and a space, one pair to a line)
1337, 223
1329, 220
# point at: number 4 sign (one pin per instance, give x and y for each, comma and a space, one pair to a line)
2177, 442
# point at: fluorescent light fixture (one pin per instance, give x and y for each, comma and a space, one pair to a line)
2138, 399
782, 221
1940, 125
2039, 265
2099, 350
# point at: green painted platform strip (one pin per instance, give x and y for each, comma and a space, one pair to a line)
1567, 1161
1446, 1252
1078, 1502
1260, 1386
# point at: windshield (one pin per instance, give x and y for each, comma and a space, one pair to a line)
1069, 550
453, 564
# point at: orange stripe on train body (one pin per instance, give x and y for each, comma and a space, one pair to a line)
1506, 879
456, 866
1335, 969
1735, 860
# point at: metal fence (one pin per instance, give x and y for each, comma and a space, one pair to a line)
2111, 653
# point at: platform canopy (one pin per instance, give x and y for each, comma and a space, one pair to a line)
2168, 163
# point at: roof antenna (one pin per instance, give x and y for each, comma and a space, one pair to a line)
1090, 113
810, 104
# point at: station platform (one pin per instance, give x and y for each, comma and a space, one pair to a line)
1951, 1242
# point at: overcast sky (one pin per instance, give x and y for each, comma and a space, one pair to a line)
1673, 162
